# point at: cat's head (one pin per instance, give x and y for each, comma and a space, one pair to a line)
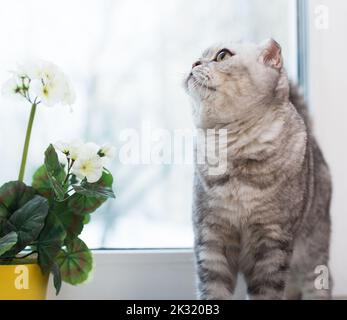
234, 80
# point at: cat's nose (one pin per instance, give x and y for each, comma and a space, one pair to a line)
195, 64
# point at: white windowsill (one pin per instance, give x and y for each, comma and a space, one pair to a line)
138, 274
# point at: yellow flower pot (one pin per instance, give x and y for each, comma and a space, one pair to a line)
22, 282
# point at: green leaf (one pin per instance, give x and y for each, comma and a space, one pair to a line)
56, 278
28, 222
83, 204
94, 190
53, 165
75, 262
7, 242
55, 172
50, 241
80, 204
13, 195
86, 219
72, 223
58, 189
41, 182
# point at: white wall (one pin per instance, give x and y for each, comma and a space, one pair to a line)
328, 100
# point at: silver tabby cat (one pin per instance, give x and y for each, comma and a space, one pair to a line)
267, 215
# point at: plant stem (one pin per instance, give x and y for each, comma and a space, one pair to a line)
69, 167
27, 142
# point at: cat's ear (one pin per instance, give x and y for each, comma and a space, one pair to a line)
271, 54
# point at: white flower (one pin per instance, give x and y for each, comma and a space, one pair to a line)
69, 94
15, 86
107, 151
46, 71
49, 93
11, 87
63, 160
46, 82
29, 68
90, 168
88, 150
71, 149
88, 163
52, 87
64, 147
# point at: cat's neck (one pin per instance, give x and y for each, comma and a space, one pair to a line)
254, 131
258, 134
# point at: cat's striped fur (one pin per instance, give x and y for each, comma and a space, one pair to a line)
267, 216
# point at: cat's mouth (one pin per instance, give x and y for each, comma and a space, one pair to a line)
195, 82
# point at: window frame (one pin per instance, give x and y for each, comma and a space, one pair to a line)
163, 273
302, 46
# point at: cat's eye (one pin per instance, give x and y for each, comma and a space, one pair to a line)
223, 54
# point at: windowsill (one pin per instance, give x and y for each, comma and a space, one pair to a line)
136, 274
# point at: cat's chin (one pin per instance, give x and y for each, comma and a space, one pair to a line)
194, 83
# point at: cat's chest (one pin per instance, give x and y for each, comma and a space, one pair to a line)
235, 200
233, 190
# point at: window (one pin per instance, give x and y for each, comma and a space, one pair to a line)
127, 60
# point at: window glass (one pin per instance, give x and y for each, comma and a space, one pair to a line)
127, 60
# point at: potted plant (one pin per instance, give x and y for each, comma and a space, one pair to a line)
40, 224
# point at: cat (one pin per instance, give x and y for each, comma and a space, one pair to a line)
266, 216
